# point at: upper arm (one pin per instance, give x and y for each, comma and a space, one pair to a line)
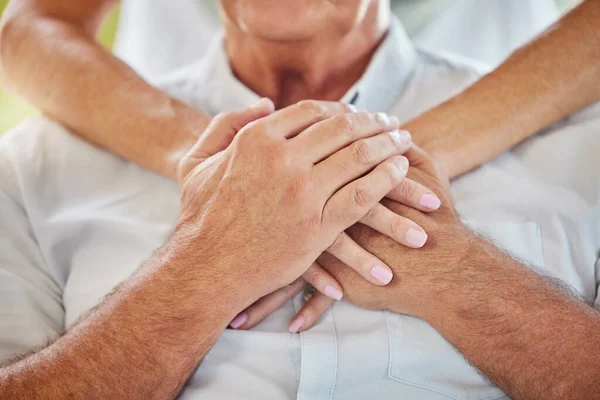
30, 296
87, 14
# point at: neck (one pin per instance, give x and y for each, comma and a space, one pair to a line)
323, 67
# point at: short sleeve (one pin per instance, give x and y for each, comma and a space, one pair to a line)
31, 309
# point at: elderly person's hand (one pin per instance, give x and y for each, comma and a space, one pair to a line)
224, 127
418, 274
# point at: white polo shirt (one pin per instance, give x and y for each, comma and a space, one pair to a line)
76, 220
158, 36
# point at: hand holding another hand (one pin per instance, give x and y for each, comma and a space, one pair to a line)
421, 276
286, 188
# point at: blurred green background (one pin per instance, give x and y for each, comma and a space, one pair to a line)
13, 108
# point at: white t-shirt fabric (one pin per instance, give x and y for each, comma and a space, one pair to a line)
158, 36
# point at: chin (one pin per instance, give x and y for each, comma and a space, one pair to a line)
293, 20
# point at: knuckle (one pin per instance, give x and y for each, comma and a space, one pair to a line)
408, 188
393, 172
361, 152
313, 107
362, 196
252, 130
345, 124
314, 276
381, 118
396, 226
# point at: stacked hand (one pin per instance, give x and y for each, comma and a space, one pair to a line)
421, 278
285, 190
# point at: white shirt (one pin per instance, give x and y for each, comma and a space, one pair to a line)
76, 220
158, 36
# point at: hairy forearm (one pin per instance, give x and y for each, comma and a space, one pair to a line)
59, 67
541, 83
524, 331
143, 341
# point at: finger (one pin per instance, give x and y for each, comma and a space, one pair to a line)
331, 135
397, 227
310, 313
352, 202
323, 282
293, 119
267, 305
366, 264
224, 126
358, 158
415, 195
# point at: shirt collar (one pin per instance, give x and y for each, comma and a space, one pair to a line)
377, 90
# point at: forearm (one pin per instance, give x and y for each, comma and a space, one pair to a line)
142, 342
541, 83
523, 331
59, 67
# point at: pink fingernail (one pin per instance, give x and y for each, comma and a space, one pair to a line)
415, 237
382, 274
297, 324
333, 292
239, 320
430, 201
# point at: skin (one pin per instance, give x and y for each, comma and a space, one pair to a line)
171, 127
525, 332
464, 279
147, 337
559, 70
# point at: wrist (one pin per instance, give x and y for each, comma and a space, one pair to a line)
201, 259
428, 294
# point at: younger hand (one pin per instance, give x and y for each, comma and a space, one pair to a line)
418, 275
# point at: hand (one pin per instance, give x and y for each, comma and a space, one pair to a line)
418, 275
285, 190
219, 134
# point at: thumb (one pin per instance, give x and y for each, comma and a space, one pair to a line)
220, 132
238, 119
224, 126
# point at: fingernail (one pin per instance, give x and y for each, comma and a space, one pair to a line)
297, 324
402, 163
430, 202
239, 320
333, 292
415, 238
382, 274
402, 137
352, 108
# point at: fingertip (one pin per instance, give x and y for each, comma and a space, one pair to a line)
402, 163
264, 104
382, 274
416, 238
333, 292
296, 324
430, 202
239, 320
